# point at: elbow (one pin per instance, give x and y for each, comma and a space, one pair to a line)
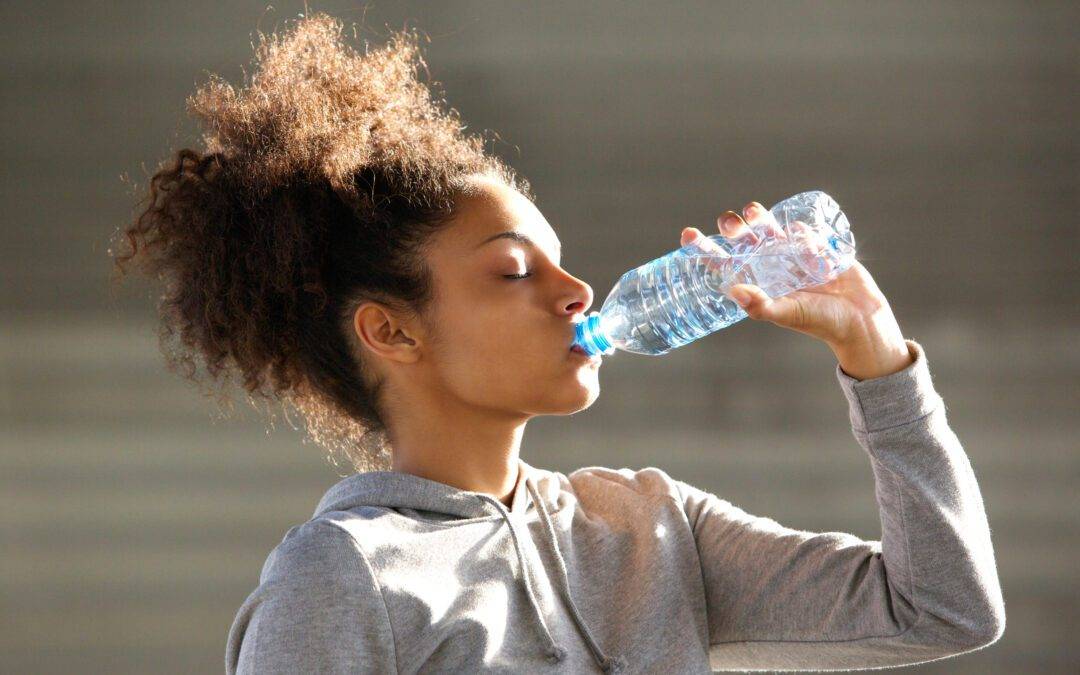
986, 627
993, 631
975, 626
995, 626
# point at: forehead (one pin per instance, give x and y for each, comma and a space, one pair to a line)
492, 209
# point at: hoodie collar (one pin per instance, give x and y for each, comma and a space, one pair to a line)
394, 489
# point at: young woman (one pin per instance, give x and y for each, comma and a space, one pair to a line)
341, 247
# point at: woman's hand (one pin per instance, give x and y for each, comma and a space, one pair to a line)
848, 313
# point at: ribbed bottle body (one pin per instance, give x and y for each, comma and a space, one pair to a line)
680, 297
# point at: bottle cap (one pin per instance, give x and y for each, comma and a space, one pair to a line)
590, 336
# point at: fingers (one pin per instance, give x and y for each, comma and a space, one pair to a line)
732, 226
755, 222
760, 218
692, 235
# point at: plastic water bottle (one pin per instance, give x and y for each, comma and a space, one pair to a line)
679, 297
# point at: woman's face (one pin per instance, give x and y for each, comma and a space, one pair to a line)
503, 343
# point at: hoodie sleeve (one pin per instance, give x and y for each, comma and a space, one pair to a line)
784, 599
318, 609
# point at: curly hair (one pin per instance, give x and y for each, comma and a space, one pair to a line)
319, 184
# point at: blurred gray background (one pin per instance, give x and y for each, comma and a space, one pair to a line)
134, 522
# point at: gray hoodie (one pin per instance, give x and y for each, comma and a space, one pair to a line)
623, 570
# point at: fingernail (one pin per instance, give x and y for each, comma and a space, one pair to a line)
731, 221
741, 297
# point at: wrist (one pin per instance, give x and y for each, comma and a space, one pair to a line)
875, 352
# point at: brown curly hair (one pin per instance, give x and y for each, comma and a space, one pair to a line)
320, 183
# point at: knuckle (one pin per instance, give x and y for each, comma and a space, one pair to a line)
800, 316
727, 216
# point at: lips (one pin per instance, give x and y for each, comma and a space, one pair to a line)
592, 358
576, 348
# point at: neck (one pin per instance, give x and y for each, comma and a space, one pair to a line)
467, 448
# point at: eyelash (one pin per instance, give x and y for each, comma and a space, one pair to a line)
517, 276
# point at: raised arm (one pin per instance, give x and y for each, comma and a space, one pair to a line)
786, 599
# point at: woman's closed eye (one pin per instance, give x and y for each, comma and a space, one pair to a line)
517, 276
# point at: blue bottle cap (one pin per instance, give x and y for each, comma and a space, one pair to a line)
590, 336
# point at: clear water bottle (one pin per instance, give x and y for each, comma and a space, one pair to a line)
679, 297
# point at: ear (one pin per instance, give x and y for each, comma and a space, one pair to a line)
385, 334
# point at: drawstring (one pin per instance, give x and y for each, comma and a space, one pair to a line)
607, 663
555, 653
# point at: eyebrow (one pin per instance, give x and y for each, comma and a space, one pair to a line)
518, 237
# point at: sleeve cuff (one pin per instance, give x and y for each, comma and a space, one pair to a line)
891, 400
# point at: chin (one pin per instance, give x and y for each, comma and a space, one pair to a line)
571, 398
582, 394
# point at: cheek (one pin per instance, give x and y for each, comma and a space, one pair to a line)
492, 355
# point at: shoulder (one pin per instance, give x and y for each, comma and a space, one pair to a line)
320, 550
646, 482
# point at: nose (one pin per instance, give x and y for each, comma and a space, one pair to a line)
579, 300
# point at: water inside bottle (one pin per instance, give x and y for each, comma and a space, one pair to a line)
682, 296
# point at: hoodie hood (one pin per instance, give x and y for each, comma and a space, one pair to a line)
405, 491
535, 490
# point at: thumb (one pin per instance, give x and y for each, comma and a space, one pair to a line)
755, 302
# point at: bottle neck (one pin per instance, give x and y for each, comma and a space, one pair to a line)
590, 336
